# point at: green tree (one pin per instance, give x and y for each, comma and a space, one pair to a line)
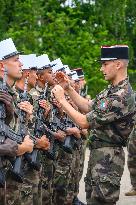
74, 33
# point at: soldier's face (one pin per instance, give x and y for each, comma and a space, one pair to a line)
77, 86
49, 76
32, 78
13, 66
108, 69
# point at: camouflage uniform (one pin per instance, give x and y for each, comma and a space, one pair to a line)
63, 170
29, 188
74, 177
62, 177
45, 184
79, 166
111, 121
11, 193
82, 159
76, 172
132, 158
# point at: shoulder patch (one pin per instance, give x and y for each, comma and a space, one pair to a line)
103, 105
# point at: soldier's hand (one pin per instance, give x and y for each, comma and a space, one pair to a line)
60, 135
73, 131
26, 146
84, 132
46, 106
63, 80
26, 106
43, 143
8, 101
58, 93
56, 103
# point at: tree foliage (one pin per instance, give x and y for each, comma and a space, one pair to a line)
74, 32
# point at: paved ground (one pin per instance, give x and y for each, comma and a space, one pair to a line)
125, 186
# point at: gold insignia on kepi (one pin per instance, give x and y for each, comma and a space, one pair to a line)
104, 105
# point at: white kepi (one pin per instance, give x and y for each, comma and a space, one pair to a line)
67, 69
43, 62
74, 76
57, 65
8, 49
28, 61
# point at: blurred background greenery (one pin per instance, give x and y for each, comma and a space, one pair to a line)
73, 30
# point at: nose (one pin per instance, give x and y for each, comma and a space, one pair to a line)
20, 63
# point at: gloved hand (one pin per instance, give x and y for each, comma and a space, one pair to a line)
8, 101
9, 148
26, 146
43, 143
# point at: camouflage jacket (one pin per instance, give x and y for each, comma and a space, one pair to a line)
36, 94
19, 97
8, 148
112, 114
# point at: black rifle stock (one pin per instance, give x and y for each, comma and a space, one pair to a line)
39, 129
71, 142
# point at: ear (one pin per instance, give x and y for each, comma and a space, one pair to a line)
119, 64
26, 73
41, 77
1, 66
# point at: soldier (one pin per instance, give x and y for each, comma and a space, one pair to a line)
132, 163
45, 76
9, 58
64, 177
64, 159
8, 147
110, 119
80, 152
29, 190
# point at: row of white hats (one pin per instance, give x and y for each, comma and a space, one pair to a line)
8, 49
43, 61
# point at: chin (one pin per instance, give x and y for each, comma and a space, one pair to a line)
18, 77
107, 78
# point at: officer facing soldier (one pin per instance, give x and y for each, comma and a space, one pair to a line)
108, 117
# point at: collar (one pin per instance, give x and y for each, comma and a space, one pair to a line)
39, 88
120, 85
19, 90
10, 90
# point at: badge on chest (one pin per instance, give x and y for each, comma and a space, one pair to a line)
103, 105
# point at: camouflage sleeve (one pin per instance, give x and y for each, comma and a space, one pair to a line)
31, 123
107, 110
91, 102
9, 148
